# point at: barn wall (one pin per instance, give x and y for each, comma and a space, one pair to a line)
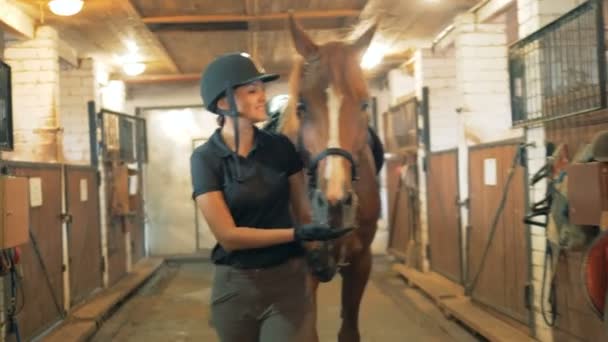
532, 15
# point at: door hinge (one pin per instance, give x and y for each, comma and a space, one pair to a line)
428, 251
528, 294
102, 265
98, 178
63, 268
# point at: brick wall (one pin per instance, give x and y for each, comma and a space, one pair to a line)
483, 79
437, 71
35, 77
77, 87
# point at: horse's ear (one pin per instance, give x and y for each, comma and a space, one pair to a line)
304, 45
362, 43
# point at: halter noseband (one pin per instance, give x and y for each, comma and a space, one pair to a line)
314, 162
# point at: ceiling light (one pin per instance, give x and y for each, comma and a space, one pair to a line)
65, 7
374, 55
133, 69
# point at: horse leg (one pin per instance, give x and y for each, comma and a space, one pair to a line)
354, 281
314, 285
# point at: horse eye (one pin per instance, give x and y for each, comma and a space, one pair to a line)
301, 109
364, 105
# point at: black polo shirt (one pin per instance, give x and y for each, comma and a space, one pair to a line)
260, 200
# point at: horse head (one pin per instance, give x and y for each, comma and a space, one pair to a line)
329, 120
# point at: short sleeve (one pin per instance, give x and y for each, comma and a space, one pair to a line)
205, 174
292, 157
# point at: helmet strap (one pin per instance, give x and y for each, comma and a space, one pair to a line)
233, 112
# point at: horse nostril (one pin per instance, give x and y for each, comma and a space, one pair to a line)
348, 200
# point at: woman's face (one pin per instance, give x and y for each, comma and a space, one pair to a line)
250, 101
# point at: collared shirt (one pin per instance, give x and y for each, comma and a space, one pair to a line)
260, 200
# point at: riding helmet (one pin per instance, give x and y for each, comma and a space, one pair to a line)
230, 70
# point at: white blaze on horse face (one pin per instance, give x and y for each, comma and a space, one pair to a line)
334, 172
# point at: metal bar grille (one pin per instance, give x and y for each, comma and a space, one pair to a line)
401, 126
124, 137
559, 70
6, 124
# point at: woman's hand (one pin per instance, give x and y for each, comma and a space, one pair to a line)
317, 232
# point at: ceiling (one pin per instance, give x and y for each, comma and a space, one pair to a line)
177, 38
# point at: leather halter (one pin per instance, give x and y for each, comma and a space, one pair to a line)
313, 163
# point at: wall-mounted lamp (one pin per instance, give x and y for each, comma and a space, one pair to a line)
66, 7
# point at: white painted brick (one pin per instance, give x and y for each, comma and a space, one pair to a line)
47, 53
38, 43
537, 273
481, 39
16, 53
439, 83
538, 231
88, 82
69, 82
501, 76
538, 258
538, 243
482, 52
47, 64
47, 76
497, 64
27, 77
484, 87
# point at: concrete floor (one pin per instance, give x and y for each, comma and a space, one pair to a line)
173, 306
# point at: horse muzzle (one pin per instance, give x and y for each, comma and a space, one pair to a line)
342, 214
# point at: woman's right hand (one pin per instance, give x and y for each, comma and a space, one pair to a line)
318, 232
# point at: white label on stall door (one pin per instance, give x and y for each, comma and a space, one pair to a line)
489, 171
132, 185
35, 192
84, 190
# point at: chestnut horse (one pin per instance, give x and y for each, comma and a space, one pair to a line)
327, 119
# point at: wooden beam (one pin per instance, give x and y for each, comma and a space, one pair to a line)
144, 79
491, 8
151, 37
220, 18
68, 53
15, 20
174, 78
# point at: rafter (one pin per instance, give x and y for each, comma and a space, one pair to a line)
172, 78
152, 37
219, 18
14, 20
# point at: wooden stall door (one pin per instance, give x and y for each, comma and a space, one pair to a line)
43, 306
443, 215
118, 223
502, 280
137, 223
402, 219
84, 232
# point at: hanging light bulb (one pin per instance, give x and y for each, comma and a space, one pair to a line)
133, 69
66, 7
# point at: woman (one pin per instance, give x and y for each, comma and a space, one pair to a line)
244, 181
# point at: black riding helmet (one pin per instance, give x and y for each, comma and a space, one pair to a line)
226, 73
220, 78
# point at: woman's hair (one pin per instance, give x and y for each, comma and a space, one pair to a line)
221, 120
